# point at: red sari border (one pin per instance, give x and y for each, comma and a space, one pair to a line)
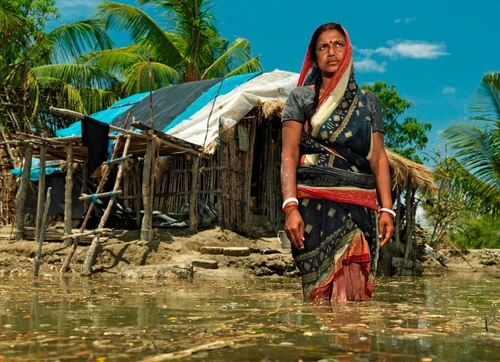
366, 198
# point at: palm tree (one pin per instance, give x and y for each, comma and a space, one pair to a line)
190, 49
41, 69
478, 146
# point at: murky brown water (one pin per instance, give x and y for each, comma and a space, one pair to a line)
438, 319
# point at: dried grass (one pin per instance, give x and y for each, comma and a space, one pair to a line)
404, 171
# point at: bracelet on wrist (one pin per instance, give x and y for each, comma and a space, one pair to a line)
289, 206
388, 211
288, 201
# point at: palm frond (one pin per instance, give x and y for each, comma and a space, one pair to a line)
96, 100
138, 25
476, 150
236, 60
486, 101
159, 55
194, 22
10, 22
115, 60
78, 75
137, 77
66, 42
68, 96
251, 66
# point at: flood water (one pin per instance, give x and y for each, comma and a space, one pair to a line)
107, 319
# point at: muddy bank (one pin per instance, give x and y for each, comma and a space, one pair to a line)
178, 246
175, 246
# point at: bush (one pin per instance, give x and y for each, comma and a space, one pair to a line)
476, 233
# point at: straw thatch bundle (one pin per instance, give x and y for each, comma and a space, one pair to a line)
404, 171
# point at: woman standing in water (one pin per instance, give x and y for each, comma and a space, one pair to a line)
334, 173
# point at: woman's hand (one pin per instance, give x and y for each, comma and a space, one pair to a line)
385, 227
294, 227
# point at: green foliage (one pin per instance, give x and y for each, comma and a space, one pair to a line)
189, 49
451, 200
476, 232
407, 137
22, 23
40, 69
478, 147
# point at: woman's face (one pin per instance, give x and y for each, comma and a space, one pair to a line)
330, 50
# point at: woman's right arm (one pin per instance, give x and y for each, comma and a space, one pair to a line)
294, 225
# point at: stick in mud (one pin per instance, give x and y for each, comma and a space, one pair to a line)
41, 236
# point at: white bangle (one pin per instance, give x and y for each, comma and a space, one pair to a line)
290, 199
389, 211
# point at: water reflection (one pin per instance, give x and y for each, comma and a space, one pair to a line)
440, 319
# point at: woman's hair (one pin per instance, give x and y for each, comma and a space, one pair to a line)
312, 52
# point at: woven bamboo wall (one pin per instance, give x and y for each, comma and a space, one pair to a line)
225, 178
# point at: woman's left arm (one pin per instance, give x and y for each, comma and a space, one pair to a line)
379, 164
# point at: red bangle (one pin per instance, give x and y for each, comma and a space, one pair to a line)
289, 206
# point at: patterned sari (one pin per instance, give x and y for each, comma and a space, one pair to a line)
336, 190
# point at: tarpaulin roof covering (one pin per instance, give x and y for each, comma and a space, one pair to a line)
193, 111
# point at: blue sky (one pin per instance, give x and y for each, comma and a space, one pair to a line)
434, 51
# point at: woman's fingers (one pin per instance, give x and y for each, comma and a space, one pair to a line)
386, 228
294, 228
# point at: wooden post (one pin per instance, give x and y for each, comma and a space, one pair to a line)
137, 192
89, 260
38, 257
193, 196
85, 187
397, 219
41, 190
68, 195
147, 219
22, 191
408, 244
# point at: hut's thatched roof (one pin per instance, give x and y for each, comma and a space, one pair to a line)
404, 171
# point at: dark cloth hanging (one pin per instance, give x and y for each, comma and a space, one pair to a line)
95, 135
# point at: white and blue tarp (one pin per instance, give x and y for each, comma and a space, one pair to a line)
194, 111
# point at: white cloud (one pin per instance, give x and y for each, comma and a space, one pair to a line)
368, 65
449, 90
405, 20
409, 49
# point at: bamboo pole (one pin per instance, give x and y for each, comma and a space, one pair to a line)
79, 235
193, 197
147, 220
408, 244
22, 191
87, 265
68, 194
38, 257
85, 186
89, 260
137, 193
41, 190
397, 219
102, 194
12, 159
